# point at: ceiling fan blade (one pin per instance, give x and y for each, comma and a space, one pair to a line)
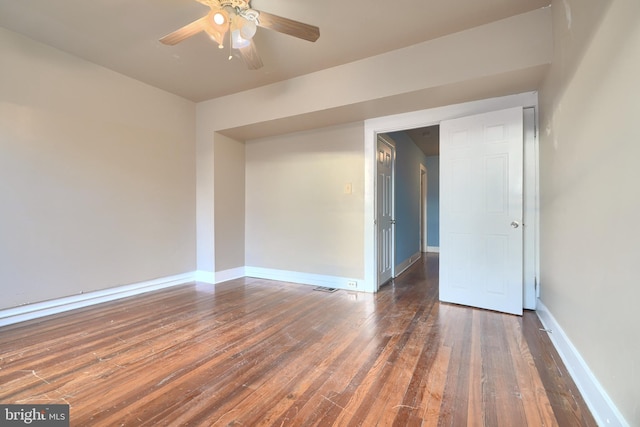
250, 56
185, 32
288, 26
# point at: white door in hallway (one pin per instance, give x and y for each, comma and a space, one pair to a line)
384, 209
481, 196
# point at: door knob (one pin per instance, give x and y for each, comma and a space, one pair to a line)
515, 224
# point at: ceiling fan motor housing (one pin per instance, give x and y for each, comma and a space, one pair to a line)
233, 7
219, 4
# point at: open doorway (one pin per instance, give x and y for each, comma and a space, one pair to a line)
415, 210
427, 139
424, 118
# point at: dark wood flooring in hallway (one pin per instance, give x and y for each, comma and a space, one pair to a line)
254, 352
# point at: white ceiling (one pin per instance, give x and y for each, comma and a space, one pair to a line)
122, 35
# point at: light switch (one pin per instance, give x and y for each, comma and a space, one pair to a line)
347, 188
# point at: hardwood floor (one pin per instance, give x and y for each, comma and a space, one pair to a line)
254, 352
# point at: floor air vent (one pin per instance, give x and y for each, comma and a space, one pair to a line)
323, 289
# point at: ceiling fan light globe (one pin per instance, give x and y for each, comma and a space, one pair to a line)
248, 29
237, 41
219, 18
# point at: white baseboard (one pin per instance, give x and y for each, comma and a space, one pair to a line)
303, 278
435, 249
602, 407
205, 276
33, 311
400, 268
233, 273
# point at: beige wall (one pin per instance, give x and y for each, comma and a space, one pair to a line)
229, 160
205, 236
384, 84
97, 181
590, 147
297, 215
432, 74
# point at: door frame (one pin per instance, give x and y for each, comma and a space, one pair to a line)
416, 119
530, 217
424, 212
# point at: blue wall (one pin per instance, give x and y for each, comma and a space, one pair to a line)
433, 200
407, 208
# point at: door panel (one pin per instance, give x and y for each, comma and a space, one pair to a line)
481, 195
384, 210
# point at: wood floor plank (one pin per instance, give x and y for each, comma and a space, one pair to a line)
455, 401
412, 408
264, 353
354, 392
323, 354
531, 391
224, 363
391, 385
476, 391
435, 384
566, 402
502, 406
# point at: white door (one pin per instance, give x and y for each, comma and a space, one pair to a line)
481, 211
384, 209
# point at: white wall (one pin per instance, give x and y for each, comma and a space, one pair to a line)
589, 153
229, 184
297, 215
97, 182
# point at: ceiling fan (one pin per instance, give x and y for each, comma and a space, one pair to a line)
237, 18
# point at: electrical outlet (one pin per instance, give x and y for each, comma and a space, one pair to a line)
353, 284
